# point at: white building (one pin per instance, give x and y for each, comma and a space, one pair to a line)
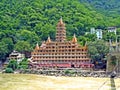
92, 31
98, 32
16, 56
112, 29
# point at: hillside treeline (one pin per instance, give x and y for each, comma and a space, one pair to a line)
23, 23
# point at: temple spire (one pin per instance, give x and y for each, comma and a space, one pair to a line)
48, 40
74, 39
37, 47
61, 31
61, 22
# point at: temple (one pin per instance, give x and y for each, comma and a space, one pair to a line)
60, 53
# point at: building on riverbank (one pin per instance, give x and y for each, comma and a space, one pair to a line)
15, 55
60, 53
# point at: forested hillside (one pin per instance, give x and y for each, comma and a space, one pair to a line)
106, 7
23, 23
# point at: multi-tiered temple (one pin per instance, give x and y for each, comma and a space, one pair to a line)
60, 53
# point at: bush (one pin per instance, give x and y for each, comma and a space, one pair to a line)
23, 64
67, 72
13, 64
72, 72
23, 67
8, 70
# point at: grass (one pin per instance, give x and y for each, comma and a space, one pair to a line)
38, 82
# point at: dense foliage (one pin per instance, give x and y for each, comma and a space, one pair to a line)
97, 50
23, 23
23, 64
8, 70
109, 8
15, 65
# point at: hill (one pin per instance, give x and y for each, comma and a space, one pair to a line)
38, 15
23, 23
109, 7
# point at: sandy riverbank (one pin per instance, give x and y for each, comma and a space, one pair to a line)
39, 82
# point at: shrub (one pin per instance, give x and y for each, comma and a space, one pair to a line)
23, 64
67, 72
13, 64
72, 72
8, 70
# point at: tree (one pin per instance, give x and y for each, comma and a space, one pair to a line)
30, 37
13, 64
67, 72
118, 31
2, 35
118, 34
97, 49
90, 37
9, 70
86, 38
6, 46
22, 46
23, 64
82, 40
9, 44
109, 35
3, 51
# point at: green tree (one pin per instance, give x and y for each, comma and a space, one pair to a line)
22, 46
6, 46
25, 35
2, 35
9, 44
13, 64
86, 38
82, 40
118, 34
109, 35
23, 64
67, 72
3, 51
9, 70
97, 49
90, 37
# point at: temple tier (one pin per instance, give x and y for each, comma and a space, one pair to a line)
60, 53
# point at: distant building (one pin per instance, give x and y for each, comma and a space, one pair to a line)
92, 31
60, 53
98, 32
112, 29
16, 56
